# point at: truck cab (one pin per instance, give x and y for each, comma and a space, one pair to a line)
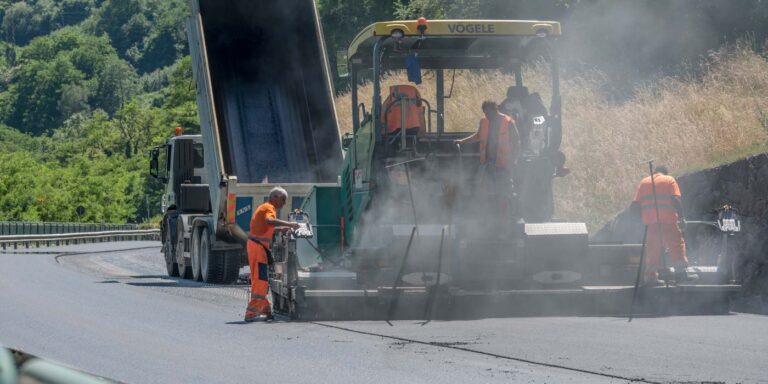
179, 164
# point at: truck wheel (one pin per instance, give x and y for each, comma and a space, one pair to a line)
217, 267
210, 262
231, 270
170, 258
195, 255
185, 270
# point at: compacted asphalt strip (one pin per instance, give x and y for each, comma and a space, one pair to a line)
109, 309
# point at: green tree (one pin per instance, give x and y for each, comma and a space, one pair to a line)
24, 20
124, 21
117, 84
37, 93
150, 34
21, 23
19, 176
181, 102
137, 127
167, 40
74, 99
93, 136
75, 11
64, 73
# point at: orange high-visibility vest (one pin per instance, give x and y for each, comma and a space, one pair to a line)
504, 147
414, 110
666, 192
259, 226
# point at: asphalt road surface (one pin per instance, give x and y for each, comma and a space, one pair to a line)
110, 310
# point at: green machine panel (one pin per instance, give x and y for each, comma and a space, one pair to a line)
323, 205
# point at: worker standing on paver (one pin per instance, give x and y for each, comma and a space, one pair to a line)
499, 148
264, 223
664, 229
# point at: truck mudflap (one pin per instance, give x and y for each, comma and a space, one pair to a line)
447, 303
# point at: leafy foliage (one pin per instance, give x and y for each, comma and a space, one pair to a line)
150, 34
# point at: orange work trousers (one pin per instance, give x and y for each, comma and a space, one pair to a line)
672, 240
257, 260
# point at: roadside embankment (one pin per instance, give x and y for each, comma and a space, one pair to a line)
742, 184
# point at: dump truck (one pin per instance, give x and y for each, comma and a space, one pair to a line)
412, 230
267, 118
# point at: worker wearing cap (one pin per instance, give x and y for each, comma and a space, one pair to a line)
664, 234
264, 223
499, 146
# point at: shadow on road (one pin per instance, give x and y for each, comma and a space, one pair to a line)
168, 281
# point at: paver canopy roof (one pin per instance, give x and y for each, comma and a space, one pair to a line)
453, 43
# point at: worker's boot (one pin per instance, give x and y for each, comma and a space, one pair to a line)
666, 275
683, 275
268, 317
652, 280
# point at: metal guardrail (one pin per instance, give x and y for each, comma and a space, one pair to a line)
57, 239
42, 228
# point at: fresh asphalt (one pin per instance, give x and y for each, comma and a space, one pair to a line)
110, 310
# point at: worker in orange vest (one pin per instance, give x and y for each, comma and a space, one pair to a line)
264, 223
499, 147
664, 234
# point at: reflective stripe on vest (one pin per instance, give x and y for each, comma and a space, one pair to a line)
664, 201
504, 148
661, 206
659, 197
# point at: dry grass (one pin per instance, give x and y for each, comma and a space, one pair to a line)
684, 123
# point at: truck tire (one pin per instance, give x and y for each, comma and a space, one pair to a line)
170, 257
211, 263
217, 267
231, 267
197, 274
185, 270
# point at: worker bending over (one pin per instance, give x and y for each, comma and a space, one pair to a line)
499, 148
264, 223
666, 236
